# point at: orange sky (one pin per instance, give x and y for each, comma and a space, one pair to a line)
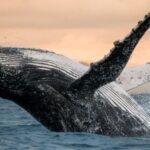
83, 30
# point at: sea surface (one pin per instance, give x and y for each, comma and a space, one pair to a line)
19, 131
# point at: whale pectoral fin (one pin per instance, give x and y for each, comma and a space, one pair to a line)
108, 69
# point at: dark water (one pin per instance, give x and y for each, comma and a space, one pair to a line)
19, 131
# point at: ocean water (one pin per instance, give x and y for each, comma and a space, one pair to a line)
19, 131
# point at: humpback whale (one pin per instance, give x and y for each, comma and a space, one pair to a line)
65, 95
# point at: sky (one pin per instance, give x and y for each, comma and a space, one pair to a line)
83, 30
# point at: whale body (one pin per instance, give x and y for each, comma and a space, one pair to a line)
65, 95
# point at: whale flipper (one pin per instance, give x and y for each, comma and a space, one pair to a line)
108, 69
